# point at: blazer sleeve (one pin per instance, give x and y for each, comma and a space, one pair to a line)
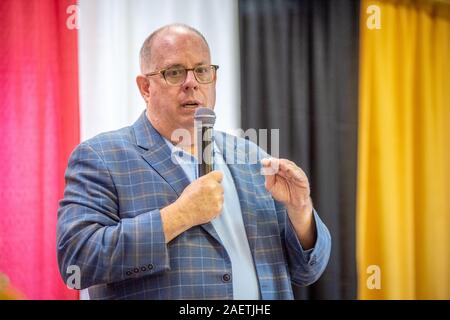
306, 266
92, 236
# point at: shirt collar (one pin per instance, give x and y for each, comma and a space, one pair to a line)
174, 149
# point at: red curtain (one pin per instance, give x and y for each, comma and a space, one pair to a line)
39, 126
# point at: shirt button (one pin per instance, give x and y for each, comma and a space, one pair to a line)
226, 277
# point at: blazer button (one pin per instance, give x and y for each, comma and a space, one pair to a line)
129, 273
143, 269
226, 277
136, 270
150, 266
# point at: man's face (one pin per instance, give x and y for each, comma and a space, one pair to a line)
172, 107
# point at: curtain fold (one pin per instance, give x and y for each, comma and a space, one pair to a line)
299, 74
39, 126
404, 151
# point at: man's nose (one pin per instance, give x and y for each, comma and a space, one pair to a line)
190, 82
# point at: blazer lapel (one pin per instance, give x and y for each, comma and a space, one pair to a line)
157, 154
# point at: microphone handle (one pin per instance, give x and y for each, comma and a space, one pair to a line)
206, 164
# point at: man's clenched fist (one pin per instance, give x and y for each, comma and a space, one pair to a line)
199, 203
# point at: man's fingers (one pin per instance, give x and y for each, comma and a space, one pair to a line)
270, 181
265, 162
292, 171
216, 175
294, 178
284, 168
269, 166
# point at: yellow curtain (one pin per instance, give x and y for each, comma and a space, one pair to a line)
403, 210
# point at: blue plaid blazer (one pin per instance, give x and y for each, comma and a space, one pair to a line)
109, 224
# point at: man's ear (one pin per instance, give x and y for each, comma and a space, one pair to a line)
144, 86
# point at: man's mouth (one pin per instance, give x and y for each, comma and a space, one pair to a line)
192, 104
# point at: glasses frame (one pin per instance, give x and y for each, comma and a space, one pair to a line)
163, 73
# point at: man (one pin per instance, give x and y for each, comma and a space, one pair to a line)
140, 225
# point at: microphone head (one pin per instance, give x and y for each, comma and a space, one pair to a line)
205, 115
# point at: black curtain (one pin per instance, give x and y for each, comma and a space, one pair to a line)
299, 74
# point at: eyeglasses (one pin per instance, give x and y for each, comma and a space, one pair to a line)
176, 76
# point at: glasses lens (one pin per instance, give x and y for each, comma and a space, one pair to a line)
175, 75
204, 74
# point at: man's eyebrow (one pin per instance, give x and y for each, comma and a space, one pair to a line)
174, 65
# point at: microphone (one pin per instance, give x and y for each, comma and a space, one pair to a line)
204, 119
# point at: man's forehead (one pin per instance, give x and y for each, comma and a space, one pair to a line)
168, 39
168, 47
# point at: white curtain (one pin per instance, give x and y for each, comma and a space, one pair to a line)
110, 36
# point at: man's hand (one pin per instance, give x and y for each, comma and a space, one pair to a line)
202, 200
288, 184
199, 203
